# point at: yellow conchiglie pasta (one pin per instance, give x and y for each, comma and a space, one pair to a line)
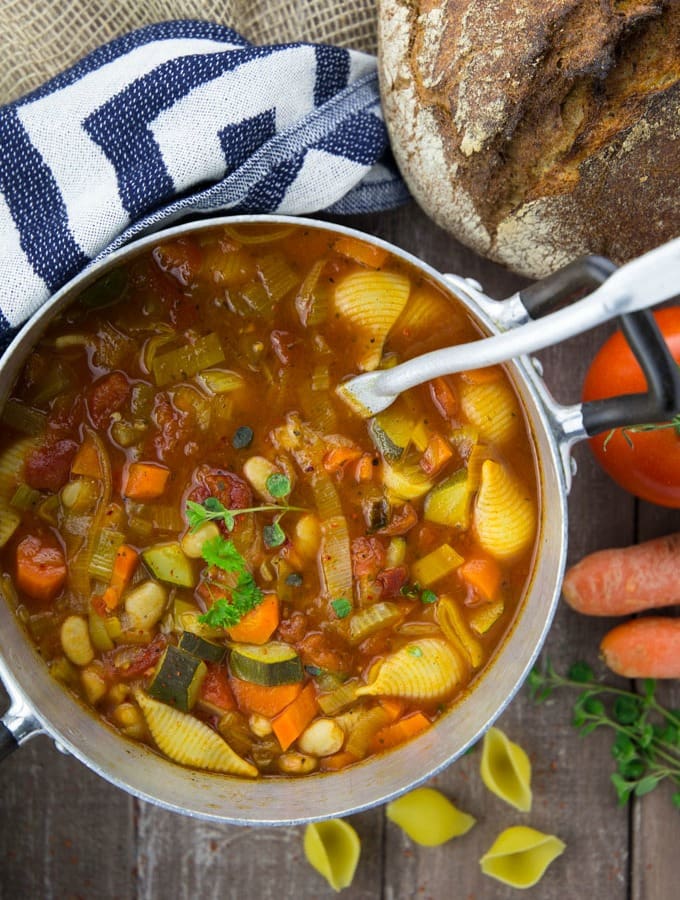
428, 817
188, 741
372, 301
506, 770
519, 856
504, 514
428, 669
492, 408
333, 849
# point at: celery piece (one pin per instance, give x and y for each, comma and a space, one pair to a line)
483, 617
9, 522
437, 564
23, 418
25, 498
222, 381
187, 361
371, 619
277, 275
104, 554
100, 637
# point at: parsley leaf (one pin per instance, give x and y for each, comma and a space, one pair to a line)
245, 596
428, 597
341, 607
212, 510
273, 535
222, 553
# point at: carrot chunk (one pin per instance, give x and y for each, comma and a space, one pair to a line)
145, 481
361, 252
444, 398
292, 721
267, 701
397, 732
41, 568
258, 625
484, 574
436, 455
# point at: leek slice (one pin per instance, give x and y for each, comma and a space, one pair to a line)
484, 617
104, 554
9, 522
222, 381
312, 299
277, 275
188, 741
187, 361
338, 699
25, 498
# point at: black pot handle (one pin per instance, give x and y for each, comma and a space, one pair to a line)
661, 401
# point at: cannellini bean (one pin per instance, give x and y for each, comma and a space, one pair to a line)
294, 763
145, 604
307, 537
259, 725
127, 714
118, 693
75, 640
192, 542
322, 738
257, 470
94, 684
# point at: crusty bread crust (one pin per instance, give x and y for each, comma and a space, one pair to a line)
538, 130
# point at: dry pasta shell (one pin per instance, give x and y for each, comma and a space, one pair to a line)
428, 817
372, 301
427, 669
504, 514
506, 770
519, 856
492, 408
189, 742
333, 849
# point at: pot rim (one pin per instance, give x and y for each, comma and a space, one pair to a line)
370, 782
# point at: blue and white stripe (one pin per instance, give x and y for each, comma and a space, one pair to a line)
177, 118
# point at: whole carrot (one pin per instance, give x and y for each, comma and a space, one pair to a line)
626, 580
644, 648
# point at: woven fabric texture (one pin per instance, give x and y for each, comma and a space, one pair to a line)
39, 38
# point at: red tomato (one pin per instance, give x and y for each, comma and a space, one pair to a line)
644, 462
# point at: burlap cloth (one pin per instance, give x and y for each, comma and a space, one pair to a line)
39, 38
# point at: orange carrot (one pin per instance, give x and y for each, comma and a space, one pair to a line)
124, 566
337, 457
86, 461
397, 732
257, 626
644, 648
267, 701
627, 580
145, 481
484, 574
361, 252
41, 568
215, 689
292, 721
436, 455
336, 761
444, 397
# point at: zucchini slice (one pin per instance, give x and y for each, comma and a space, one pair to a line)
200, 648
267, 664
178, 678
169, 563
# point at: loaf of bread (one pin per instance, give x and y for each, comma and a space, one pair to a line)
538, 130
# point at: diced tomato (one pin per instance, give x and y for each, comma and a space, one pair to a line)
325, 651
106, 396
231, 490
181, 258
173, 429
132, 662
293, 629
47, 467
215, 688
392, 581
368, 556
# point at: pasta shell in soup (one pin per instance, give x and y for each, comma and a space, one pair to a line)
493, 408
504, 515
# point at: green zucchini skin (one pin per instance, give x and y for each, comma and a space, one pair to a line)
178, 678
266, 664
201, 648
168, 562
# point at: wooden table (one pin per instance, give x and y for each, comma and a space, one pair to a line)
66, 833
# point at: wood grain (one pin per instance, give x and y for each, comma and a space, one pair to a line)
66, 833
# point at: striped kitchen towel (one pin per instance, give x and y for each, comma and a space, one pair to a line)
180, 118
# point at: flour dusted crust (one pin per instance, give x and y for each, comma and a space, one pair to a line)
538, 130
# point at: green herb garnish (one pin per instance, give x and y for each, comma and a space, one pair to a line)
409, 590
341, 607
646, 745
415, 651
212, 510
428, 597
294, 579
245, 596
243, 437
273, 535
278, 485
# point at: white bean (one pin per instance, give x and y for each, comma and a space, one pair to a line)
145, 604
257, 470
192, 542
75, 640
294, 763
322, 738
307, 538
94, 684
259, 725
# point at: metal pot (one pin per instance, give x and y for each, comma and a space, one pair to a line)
42, 706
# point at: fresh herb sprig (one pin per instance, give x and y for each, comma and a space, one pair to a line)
245, 595
213, 510
646, 745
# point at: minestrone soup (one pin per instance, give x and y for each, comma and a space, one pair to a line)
213, 551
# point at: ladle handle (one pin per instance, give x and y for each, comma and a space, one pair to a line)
661, 401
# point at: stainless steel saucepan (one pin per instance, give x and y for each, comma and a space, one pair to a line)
39, 705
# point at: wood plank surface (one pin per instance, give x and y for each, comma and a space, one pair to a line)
66, 833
